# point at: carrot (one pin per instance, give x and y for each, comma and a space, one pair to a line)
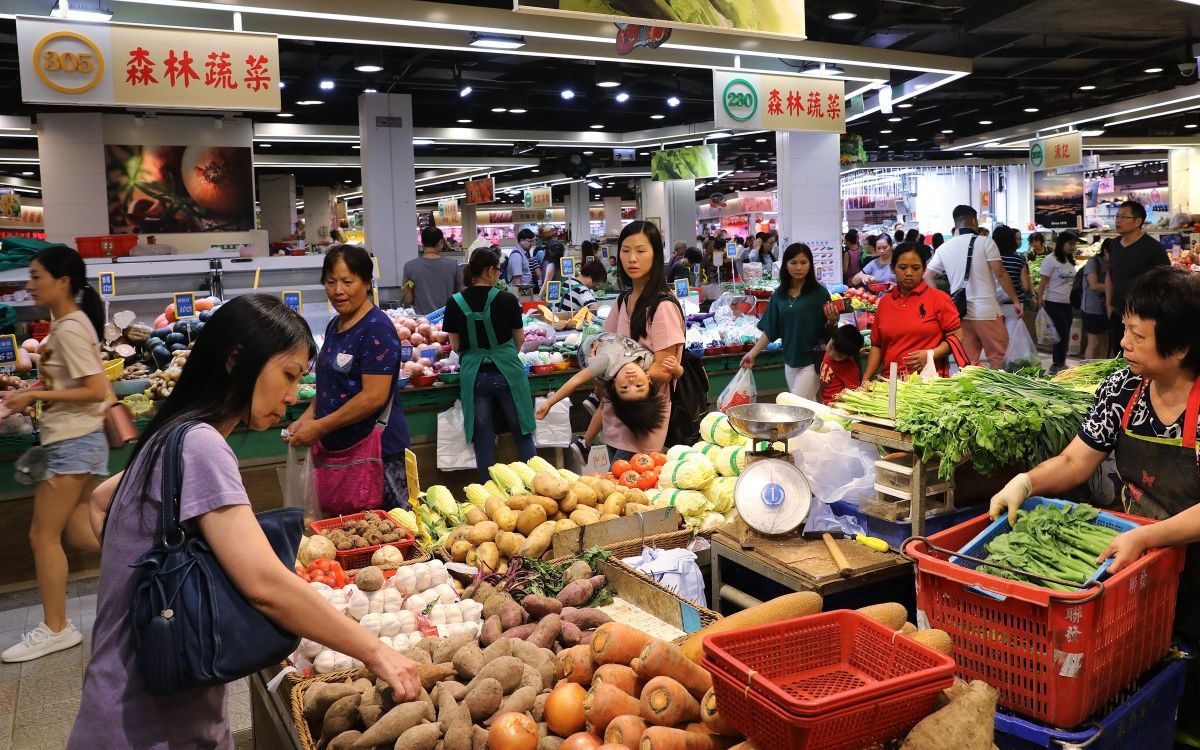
615, 643
669, 738
575, 664
666, 703
626, 731
619, 675
712, 719
605, 702
660, 658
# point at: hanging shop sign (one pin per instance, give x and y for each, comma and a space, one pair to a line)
448, 212
529, 215
781, 18
748, 101
75, 62
482, 190
539, 197
1064, 150
686, 163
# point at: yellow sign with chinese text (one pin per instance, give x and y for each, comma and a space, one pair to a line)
76, 62
749, 101
1064, 150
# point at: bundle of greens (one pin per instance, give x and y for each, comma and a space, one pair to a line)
1053, 542
530, 577
997, 419
1089, 375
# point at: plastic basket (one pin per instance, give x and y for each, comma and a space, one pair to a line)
1056, 657
1144, 719
106, 246
435, 317
360, 557
895, 532
853, 710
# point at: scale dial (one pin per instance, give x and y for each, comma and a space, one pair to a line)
772, 496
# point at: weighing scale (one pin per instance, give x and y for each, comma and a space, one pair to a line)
772, 495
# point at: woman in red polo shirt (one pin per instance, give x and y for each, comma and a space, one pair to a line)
912, 319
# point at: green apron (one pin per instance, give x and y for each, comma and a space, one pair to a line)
503, 358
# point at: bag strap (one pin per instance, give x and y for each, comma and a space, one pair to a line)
172, 482
970, 261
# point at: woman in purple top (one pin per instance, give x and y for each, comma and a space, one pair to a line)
243, 369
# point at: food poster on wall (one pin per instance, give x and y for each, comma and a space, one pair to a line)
1058, 199
179, 189
827, 259
782, 18
686, 163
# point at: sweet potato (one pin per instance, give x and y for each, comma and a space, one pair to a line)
484, 698
507, 670
395, 723
539, 707
576, 593
667, 703
587, 618
603, 703
530, 677
344, 741
468, 661
968, 723
341, 717
432, 674
500, 647
616, 643
458, 729
491, 630
479, 738
546, 632
445, 651
368, 715
666, 659
620, 676
711, 718
625, 730
320, 696
521, 632
511, 615
571, 634
423, 737
575, 664
540, 606
456, 689
520, 701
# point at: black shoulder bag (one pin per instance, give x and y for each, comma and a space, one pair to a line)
191, 626
960, 297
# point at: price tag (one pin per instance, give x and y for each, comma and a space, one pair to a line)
108, 284
429, 354
406, 352
553, 291
604, 252
681, 288
294, 300
589, 260
8, 352
185, 305
731, 249
568, 267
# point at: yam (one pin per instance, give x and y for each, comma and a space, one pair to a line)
530, 677
506, 670
539, 707
432, 674
547, 631
395, 723
468, 661
502, 646
368, 715
344, 741
490, 631
520, 701
320, 696
549, 485
453, 688
786, 607
341, 717
892, 614
538, 541
458, 728
423, 737
483, 592
446, 650
584, 494
484, 698
968, 723
479, 738
419, 655
587, 618
483, 532
540, 606
550, 742
521, 631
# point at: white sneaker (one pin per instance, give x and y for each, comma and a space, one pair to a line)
42, 641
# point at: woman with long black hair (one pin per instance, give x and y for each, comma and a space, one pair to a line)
243, 370
1054, 293
72, 435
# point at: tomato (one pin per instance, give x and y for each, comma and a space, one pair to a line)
629, 478
620, 466
648, 480
642, 461
659, 458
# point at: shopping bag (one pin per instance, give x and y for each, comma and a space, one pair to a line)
1021, 352
555, 430
929, 371
453, 450
299, 489
741, 390
1047, 334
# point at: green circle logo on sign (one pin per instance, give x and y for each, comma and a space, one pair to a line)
740, 100
1035, 155
528, 199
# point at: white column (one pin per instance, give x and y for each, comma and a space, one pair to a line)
318, 214
680, 221
470, 231
389, 196
277, 205
74, 185
612, 216
577, 213
809, 201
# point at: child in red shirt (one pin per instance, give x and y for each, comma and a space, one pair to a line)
840, 369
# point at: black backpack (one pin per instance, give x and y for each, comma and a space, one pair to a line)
1077, 289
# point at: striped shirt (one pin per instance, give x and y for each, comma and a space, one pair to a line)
574, 296
1013, 264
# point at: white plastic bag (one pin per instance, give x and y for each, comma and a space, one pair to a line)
741, 390
555, 430
929, 371
1047, 334
453, 450
838, 467
299, 490
1021, 352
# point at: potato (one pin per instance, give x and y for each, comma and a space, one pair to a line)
609, 517
539, 541
634, 495
509, 543
529, 519
461, 550
614, 504
606, 487
548, 505
369, 578
492, 506
564, 524
483, 532
486, 556
549, 485
585, 515
457, 533
569, 502
559, 516
505, 518
632, 508
476, 515
584, 493
518, 503
576, 570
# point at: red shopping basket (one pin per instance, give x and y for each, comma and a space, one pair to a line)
1055, 657
360, 557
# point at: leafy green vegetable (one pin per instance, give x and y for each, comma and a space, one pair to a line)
1051, 542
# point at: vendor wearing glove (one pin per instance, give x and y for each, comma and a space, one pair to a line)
911, 320
1146, 414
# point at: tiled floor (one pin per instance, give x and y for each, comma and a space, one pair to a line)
39, 699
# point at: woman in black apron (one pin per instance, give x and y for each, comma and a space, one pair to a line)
1146, 415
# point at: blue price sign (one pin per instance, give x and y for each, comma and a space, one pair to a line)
108, 284
553, 291
294, 300
568, 267
681, 288
604, 252
8, 350
588, 260
731, 249
406, 352
185, 305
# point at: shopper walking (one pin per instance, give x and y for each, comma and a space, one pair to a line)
551, 267
912, 320
72, 437
517, 270
677, 268
243, 369
1092, 307
356, 371
983, 325
430, 278
879, 270
796, 314
1008, 240
648, 312
1054, 294
1134, 253
486, 330
851, 257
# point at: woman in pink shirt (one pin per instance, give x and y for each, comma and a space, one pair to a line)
647, 312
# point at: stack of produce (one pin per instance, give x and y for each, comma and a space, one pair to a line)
998, 419
1053, 542
1089, 375
12, 423
374, 528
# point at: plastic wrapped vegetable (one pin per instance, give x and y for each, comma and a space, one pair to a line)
720, 494
715, 428
687, 474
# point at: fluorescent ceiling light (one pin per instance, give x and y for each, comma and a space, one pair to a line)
904, 105
985, 122
622, 97
370, 91
284, 114
517, 111
497, 41
464, 120
1152, 114
422, 142
968, 153
309, 102
911, 140
947, 131
1087, 87
588, 153
326, 85
1153, 70
356, 147
895, 119
264, 145
567, 94
885, 132
1031, 109
842, 16
368, 68
282, 85
1092, 133
673, 101
597, 126
1190, 125
27, 174
657, 117
465, 90
499, 110
760, 140
594, 185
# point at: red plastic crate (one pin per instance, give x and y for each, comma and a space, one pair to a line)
1056, 657
360, 557
106, 246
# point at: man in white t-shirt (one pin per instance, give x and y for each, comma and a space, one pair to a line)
983, 325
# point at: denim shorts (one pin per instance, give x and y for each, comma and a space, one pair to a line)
81, 455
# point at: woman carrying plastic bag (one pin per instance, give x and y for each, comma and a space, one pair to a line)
741, 390
1021, 352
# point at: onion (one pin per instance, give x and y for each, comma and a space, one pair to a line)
422, 322
404, 332
416, 339
513, 731
564, 709
425, 362
581, 741
441, 337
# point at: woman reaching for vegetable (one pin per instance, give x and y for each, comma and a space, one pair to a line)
879, 270
912, 320
243, 369
1146, 415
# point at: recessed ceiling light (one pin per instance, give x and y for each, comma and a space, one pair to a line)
904, 105
588, 153
370, 91
284, 114
535, 171
760, 140
282, 85
672, 101
30, 174
567, 94
464, 120
261, 145
597, 126
1190, 125
497, 41
985, 122
465, 90
885, 132
346, 182
1087, 87
842, 15
622, 97
368, 68
326, 85
947, 131
1153, 70
657, 117
499, 110
969, 153
1031, 109
895, 119
309, 102
911, 140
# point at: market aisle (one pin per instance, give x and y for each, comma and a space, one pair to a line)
39, 699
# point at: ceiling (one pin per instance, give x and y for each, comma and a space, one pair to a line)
1026, 55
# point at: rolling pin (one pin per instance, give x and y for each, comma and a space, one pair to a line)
838, 558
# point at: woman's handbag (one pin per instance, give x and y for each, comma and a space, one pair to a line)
191, 626
350, 480
118, 425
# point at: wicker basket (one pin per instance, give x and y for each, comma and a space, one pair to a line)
303, 733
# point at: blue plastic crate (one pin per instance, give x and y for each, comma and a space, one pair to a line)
435, 317
975, 548
895, 532
1143, 720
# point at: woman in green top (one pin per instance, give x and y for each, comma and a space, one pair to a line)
796, 314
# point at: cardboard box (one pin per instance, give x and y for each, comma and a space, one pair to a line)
651, 597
